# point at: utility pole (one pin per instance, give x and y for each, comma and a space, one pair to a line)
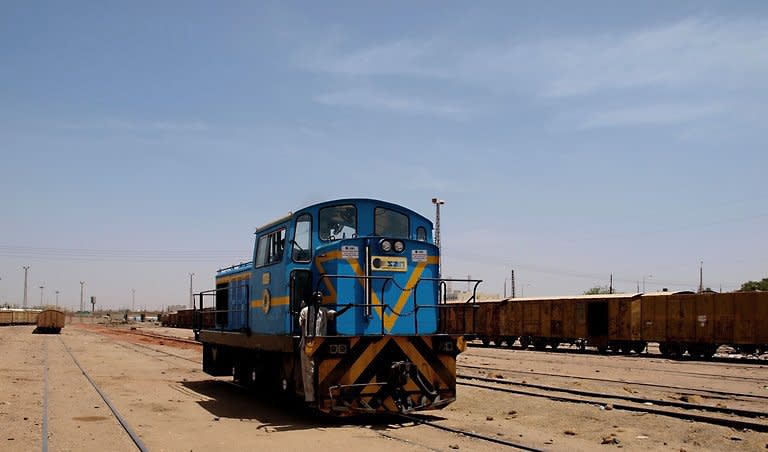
505, 287
26, 270
701, 276
81, 295
610, 287
512, 283
41, 295
438, 202
57, 298
191, 296
133, 300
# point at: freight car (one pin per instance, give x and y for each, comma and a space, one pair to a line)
18, 316
679, 322
699, 323
50, 321
185, 318
339, 307
603, 321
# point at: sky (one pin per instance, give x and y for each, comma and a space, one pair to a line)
144, 141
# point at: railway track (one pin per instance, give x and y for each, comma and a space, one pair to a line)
703, 392
121, 421
412, 418
420, 420
565, 349
624, 367
637, 404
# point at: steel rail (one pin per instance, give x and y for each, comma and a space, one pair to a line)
134, 437
491, 439
44, 427
565, 349
636, 383
159, 351
624, 367
419, 420
733, 423
580, 392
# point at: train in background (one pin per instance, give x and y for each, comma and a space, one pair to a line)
18, 316
372, 262
50, 321
680, 322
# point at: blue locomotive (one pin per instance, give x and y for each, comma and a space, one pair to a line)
340, 306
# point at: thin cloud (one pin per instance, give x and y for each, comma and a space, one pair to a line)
688, 51
376, 100
132, 126
659, 114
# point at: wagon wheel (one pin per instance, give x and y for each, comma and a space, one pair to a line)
485, 341
554, 344
525, 341
539, 344
510, 340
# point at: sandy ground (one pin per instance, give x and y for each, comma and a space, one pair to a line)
174, 406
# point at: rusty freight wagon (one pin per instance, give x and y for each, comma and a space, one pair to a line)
699, 323
18, 316
50, 321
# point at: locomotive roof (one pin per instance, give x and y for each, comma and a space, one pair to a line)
334, 202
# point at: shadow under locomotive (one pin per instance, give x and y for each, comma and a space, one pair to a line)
270, 410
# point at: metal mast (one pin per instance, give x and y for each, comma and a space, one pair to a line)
81, 295
191, 297
26, 270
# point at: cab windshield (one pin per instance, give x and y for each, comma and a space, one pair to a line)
337, 222
388, 223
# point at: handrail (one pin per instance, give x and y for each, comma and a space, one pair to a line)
383, 306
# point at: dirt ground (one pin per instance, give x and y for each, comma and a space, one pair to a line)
160, 390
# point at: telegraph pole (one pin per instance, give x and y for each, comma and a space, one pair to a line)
26, 270
438, 202
191, 296
57, 298
41, 295
81, 295
701, 276
133, 300
512, 283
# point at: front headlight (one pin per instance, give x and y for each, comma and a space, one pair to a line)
399, 246
386, 246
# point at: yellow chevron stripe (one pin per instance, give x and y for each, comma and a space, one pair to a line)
319, 261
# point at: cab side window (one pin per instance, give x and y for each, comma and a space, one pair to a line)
271, 247
302, 239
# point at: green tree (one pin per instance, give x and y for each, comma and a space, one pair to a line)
597, 290
750, 286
